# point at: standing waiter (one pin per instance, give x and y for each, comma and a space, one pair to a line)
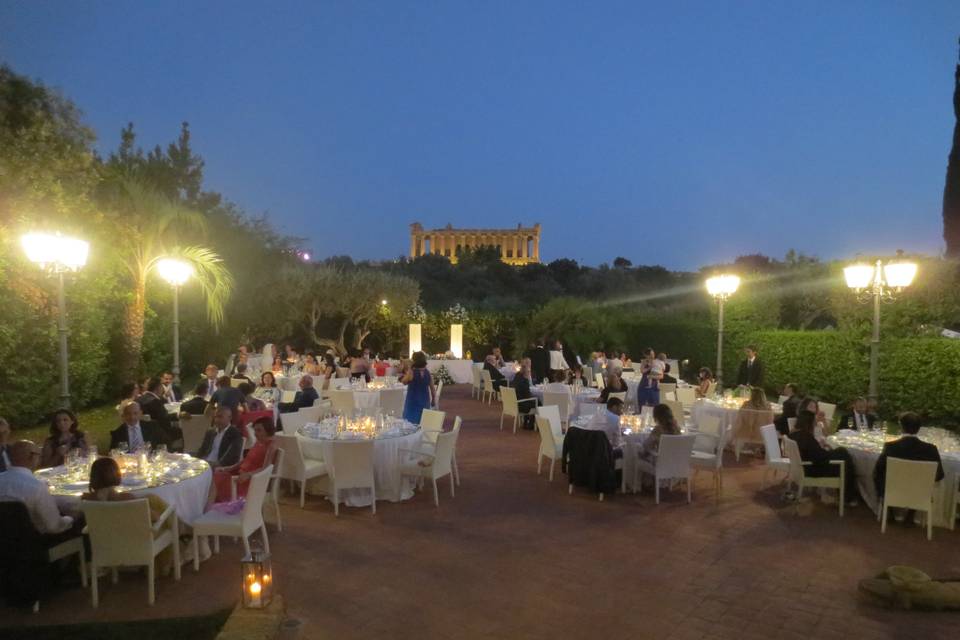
751, 369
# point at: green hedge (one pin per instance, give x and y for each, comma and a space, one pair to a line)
921, 374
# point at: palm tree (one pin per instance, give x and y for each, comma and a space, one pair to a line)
149, 225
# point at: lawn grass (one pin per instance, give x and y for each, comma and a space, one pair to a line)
193, 628
96, 423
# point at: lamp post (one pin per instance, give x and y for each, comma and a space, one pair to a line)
721, 287
876, 281
57, 254
176, 272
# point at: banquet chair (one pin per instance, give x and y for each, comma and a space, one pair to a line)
435, 465
672, 462
288, 383
910, 484
551, 443
23, 553
587, 374
436, 400
350, 466
677, 408
272, 488
313, 414
391, 401
828, 411
513, 407
775, 461
552, 413
686, 396
476, 386
667, 388
194, 428
288, 396
292, 422
561, 400
711, 389
598, 379
798, 476
343, 402
432, 420
242, 525
711, 461
293, 466
622, 395
121, 534
489, 391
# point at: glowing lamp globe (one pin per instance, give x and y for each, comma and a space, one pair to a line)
858, 276
176, 272
899, 274
54, 250
723, 285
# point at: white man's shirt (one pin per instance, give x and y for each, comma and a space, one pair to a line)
134, 437
18, 484
608, 422
557, 362
168, 394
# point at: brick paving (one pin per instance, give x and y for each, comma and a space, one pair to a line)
514, 556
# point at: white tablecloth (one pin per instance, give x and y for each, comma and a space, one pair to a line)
386, 470
865, 449
370, 398
459, 369
586, 395
726, 413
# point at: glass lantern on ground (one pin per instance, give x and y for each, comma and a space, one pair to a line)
721, 287
875, 282
58, 255
257, 583
175, 272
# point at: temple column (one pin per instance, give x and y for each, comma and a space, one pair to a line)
536, 248
413, 245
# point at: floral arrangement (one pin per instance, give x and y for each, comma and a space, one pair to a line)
456, 314
416, 313
442, 375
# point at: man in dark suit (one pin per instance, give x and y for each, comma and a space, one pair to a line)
304, 398
539, 362
858, 418
135, 434
223, 444
171, 391
197, 405
908, 447
751, 369
790, 406
522, 382
153, 405
499, 380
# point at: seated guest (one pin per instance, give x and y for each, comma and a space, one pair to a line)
105, 477
18, 484
310, 365
664, 425
625, 361
608, 421
858, 418
230, 397
598, 362
277, 367
498, 360
304, 398
134, 434
789, 408
614, 384
171, 391
704, 380
153, 405
4, 444
753, 414
359, 366
253, 403
328, 370
268, 391
65, 436
223, 443
129, 392
499, 380
820, 458
291, 356
210, 373
907, 447
197, 405
614, 361
522, 383
259, 456
241, 373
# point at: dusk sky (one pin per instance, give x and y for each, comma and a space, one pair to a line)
675, 135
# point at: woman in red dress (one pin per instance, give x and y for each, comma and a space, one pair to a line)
259, 456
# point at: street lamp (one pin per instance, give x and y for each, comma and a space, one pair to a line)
176, 272
57, 254
721, 287
878, 281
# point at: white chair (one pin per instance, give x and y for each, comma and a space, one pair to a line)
121, 534
598, 380
551, 443
432, 420
436, 400
194, 429
513, 407
672, 462
436, 465
775, 461
668, 388
238, 525
343, 402
676, 407
552, 413
488, 390
798, 476
686, 396
711, 389
295, 467
828, 411
476, 386
586, 373
273, 488
288, 384
350, 466
287, 396
292, 422
910, 484
621, 395
561, 400
711, 461
391, 401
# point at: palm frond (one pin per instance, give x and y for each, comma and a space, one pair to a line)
212, 275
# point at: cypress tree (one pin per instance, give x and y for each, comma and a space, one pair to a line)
951, 191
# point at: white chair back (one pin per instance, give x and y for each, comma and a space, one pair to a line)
194, 428
677, 408
552, 414
436, 400
621, 395
710, 427
432, 420
291, 467
446, 444
828, 411
548, 444
252, 516
351, 463
292, 422
287, 383
686, 395
587, 374
792, 451
342, 401
673, 457
120, 532
910, 484
477, 381
771, 443
312, 414
508, 395
391, 401
711, 389
560, 400
598, 380
288, 395
668, 388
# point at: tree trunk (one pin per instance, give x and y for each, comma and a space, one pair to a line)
130, 357
951, 190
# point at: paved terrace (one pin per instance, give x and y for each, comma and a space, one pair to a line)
514, 556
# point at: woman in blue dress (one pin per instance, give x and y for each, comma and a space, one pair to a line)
420, 391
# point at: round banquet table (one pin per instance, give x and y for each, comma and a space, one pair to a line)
370, 398
865, 448
187, 496
725, 410
587, 394
316, 441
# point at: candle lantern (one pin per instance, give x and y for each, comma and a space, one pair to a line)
257, 580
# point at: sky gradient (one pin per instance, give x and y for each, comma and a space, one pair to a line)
676, 135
